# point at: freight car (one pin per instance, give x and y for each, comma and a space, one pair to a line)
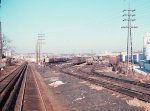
78, 60
113, 60
55, 60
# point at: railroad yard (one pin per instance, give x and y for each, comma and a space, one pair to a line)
74, 86
84, 90
74, 55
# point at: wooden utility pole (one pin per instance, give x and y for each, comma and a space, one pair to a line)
38, 47
1, 41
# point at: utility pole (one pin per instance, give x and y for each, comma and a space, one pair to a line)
129, 19
38, 47
1, 41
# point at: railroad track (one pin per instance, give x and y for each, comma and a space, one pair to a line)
116, 79
108, 77
126, 87
138, 83
9, 88
32, 96
21, 91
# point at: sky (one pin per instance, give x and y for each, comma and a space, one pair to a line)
73, 26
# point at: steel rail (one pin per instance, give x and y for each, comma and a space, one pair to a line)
9, 91
132, 93
10, 103
9, 80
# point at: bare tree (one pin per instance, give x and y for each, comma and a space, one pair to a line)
7, 45
6, 41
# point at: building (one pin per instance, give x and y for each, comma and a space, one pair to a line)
137, 56
146, 47
146, 52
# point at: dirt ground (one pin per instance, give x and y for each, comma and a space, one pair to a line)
77, 95
108, 70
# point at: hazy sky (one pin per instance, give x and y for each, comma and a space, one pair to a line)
69, 26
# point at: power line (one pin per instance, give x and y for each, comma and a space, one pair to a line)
129, 26
38, 47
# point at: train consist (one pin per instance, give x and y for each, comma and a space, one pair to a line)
55, 60
73, 60
110, 61
79, 60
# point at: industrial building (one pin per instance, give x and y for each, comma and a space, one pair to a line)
146, 52
138, 56
142, 58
